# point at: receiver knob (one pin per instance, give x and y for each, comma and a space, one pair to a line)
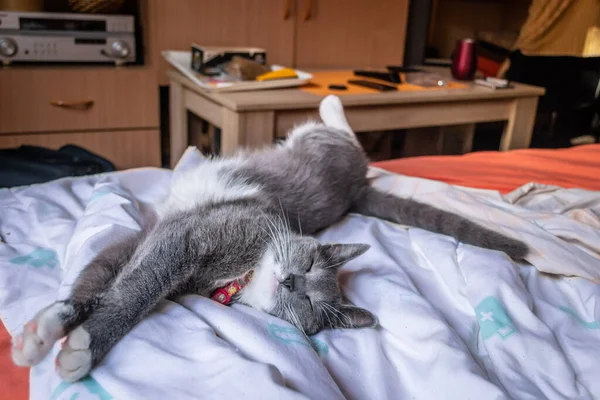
8, 47
120, 49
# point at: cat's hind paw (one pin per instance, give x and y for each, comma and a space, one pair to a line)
75, 359
332, 114
39, 335
28, 348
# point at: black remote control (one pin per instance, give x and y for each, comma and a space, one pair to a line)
372, 85
388, 76
398, 69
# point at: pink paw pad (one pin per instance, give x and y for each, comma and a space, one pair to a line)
31, 327
19, 342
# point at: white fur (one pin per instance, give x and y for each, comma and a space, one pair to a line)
39, 335
210, 181
300, 130
332, 114
260, 292
75, 359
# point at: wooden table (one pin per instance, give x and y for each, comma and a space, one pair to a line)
253, 119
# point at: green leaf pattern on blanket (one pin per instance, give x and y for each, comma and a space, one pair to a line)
98, 194
88, 388
47, 211
292, 336
38, 258
493, 319
589, 325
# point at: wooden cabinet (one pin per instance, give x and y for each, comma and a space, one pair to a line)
36, 103
350, 33
300, 33
125, 149
113, 112
69, 99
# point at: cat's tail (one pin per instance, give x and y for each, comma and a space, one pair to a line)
410, 212
332, 114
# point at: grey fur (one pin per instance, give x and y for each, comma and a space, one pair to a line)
304, 187
324, 177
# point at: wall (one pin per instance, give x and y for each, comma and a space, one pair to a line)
457, 19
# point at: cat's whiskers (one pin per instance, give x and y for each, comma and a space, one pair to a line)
272, 244
275, 236
335, 265
266, 233
280, 239
286, 224
329, 259
337, 314
296, 322
323, 311
299, 225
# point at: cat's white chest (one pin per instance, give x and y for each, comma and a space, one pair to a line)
209, 182
260, 292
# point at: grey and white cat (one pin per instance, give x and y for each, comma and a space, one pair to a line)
228, 217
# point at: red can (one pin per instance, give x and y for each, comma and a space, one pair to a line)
464, 63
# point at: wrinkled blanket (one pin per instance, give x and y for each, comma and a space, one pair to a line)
456, 321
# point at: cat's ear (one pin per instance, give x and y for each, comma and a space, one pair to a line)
349, 316
337, 254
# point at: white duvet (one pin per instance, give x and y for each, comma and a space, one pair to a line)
456, 321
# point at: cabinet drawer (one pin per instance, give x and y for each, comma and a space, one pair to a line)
118, 98
125, 149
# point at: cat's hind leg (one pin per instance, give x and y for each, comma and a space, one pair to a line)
58, 319
161, 265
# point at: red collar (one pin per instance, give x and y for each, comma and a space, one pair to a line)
224, 294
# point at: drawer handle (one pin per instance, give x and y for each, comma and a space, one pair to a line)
74, 105
308, 12
288, 6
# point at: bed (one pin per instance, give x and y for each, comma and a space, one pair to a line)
455, 321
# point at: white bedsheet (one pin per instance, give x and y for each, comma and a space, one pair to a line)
456, 322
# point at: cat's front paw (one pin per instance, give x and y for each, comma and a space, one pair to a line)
39, 335
75, 358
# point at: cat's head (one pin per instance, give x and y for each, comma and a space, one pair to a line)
300, 285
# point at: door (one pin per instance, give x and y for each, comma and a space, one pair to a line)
258, 23
350, 33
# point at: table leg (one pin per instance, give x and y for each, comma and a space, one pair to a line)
519, 128
253, 129
446, 140
427, 141
458, 139
178, 131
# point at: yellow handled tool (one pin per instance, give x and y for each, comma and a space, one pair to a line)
284, 73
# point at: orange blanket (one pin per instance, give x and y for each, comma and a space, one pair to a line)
14, 382
575, 167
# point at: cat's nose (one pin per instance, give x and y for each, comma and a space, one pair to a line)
289, 282
294, 282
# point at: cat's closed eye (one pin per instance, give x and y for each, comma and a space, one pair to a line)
307, 298
311, 264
